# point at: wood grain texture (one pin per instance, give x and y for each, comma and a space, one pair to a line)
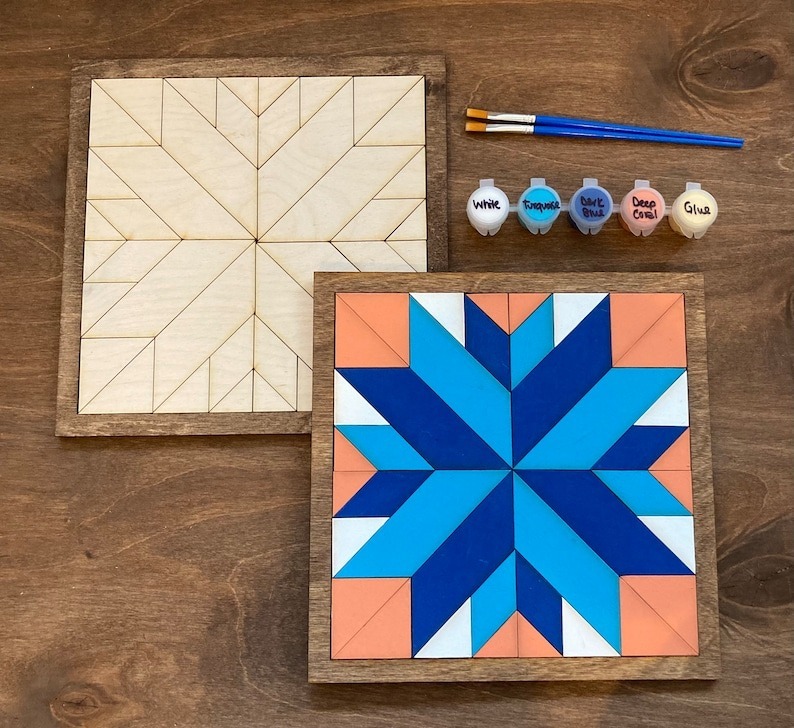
160, 582
322, 668
68, 421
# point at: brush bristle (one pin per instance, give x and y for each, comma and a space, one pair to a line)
475, 126
476, 114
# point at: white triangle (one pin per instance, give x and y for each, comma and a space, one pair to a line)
350, 408
240, 399
267, 399
96, 252
671, 409
414, 227
246, 89
409, 182
454, 638
373, 96
278, 122
192, 395
270, 88
304, 387
103, 359
103, 182
579, 638
230, 361
677, 533
316, 91
111, 126
570, 309
447, 309
348, 536
141, 98
130, 391
97, 227
200, 93
414, 252
403, 124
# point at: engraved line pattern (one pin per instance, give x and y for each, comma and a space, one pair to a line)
211, 202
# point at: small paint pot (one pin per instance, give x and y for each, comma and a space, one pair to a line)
487, 208
693, 211
642, 209
539, 206
590, 207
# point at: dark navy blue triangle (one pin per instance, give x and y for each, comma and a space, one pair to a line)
423, 419
487, 342
604, 522
561, 379
462, 563
639, 448
384, 493
539, 602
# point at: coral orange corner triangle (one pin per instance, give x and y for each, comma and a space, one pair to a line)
662, 345
357, 344
522, 305
386, 314
643, 632
676, 457
677, 482
532, 643
496, 306
673, 598
346, 485
387, 634
632, 314
504, 642
347, 458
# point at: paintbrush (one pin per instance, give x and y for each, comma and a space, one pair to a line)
587, 128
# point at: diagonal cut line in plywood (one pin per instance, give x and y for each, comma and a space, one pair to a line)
271, 88
135, 197
312, 100
361, 172
299, 278
264, 390
115, 376
111, 132
141, 99
158, 165
364, 122
308, 154
200, 93
95, 219
210, 159
245, 88
193, 298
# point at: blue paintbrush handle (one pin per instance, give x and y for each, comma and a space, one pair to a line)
582, 133
569, 122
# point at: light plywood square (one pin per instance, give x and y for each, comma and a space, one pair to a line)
210, 200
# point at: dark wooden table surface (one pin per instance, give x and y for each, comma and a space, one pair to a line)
162, 581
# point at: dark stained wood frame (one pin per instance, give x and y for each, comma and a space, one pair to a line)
68, 421
323, 669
